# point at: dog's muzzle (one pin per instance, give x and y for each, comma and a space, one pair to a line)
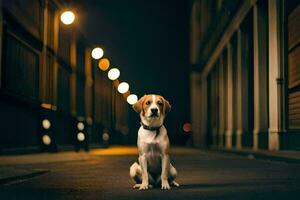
154, 112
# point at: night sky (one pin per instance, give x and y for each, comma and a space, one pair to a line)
149, 42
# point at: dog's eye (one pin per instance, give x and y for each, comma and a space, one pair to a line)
160, 103
147, 102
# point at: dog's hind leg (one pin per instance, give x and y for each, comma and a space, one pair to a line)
135, 173
172, 176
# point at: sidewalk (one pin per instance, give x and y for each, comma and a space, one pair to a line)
276, 155
19, 167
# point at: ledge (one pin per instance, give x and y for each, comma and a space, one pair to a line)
281, 155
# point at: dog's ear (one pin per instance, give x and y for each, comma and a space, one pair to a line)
137, 107
167, 106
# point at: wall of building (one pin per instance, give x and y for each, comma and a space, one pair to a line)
47, 73
244, 65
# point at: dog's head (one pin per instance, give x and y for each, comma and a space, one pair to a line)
152, 109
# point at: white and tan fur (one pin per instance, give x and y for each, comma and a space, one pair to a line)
153, 165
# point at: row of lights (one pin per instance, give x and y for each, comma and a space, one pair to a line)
113, 74
47, 139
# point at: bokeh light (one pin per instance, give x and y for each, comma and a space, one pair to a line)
67, 17
46, 124
123, 87
132, 99
80, 136
80, 126
105, 136
46, 140
104, 64
187, 127
97, 53
113, 74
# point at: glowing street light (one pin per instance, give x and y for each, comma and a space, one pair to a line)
187, 127
46, 137
80, 126
46, 140
113, 74
46, 124
97, 53
105, 136
123, 87
132, 99
80, 136
104, 64
67, 17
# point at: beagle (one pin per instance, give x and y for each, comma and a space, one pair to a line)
153, 164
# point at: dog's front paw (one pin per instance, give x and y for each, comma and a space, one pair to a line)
165, 185
144, 186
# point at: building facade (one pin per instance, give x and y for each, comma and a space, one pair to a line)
245, 82
46, 72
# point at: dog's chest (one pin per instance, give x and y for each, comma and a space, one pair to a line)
150, 142
153, 152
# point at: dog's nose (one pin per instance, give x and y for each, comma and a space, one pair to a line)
154, 110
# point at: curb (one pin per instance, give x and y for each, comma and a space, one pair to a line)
258, 155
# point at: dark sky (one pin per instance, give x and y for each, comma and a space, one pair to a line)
148, 40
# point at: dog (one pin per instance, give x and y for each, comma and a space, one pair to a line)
153, 165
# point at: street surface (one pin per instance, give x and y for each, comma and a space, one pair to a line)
104, 174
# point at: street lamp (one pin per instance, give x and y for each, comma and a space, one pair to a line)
80, 126
67, 17
46, 139
81, 135
97, 53
132, 99
123, 87
47, 136
46, 124
113, 74
104, 64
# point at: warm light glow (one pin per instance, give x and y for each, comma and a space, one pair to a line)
105, 136
97, 53
116, 83
123, 87
80, 126
46, 140
67, 17
187, 127
113, 74
132, 99
104, 64
80, 136
46, 124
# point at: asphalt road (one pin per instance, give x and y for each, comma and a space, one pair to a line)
104, 174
